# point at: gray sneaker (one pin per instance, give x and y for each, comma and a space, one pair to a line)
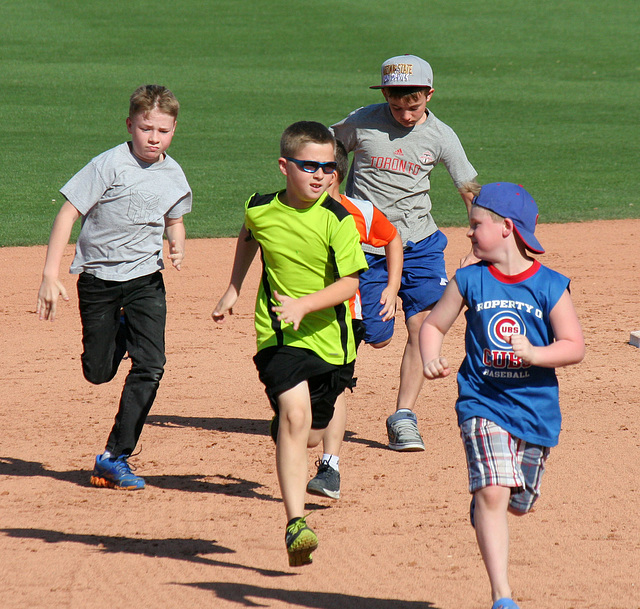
402, 429
326, 482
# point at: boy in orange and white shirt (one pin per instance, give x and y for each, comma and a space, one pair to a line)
377, 231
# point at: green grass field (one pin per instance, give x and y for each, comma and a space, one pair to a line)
540, 93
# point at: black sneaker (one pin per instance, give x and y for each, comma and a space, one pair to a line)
326, 482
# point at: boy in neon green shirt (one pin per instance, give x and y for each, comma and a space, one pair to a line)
311, 257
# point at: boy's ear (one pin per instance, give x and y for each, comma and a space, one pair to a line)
282, 163
507, 227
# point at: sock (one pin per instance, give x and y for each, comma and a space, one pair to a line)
404, 410
107, 455
332, 460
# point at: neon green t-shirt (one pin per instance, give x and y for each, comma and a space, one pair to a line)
303, 251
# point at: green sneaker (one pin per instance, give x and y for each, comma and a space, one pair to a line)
301, 542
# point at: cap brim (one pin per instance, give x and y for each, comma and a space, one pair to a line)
401, 86
529, 240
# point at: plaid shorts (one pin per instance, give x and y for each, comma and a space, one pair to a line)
496, 458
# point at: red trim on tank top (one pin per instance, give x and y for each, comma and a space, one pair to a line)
500, 276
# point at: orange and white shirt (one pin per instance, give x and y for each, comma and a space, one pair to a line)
374, 229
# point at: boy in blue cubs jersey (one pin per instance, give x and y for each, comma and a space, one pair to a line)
521, 325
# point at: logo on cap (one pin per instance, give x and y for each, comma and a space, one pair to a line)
395, 73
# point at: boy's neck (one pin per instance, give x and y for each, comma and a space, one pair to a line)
296, 203
334, 191
513, 261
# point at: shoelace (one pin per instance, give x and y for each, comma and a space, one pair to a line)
406, 427
322, 464
123, 466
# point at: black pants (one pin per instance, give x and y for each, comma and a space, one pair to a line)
105, 340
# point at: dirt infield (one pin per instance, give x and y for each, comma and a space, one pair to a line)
208, 531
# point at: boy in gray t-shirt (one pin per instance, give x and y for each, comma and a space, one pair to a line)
395, 147
128, 198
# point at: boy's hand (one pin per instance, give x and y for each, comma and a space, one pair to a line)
225, 305
388, 301
522, 348
290, 310
436, 368
50, 290
176, 255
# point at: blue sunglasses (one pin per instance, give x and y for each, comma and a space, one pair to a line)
313, 166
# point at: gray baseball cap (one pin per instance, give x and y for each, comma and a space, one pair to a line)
405, 71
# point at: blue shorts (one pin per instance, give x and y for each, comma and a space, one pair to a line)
496, 458
424, 279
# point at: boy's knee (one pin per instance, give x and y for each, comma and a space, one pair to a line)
293, 421
154, 375
380, 345
97, 375
493, 497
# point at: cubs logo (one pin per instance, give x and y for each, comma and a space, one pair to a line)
426, 158
502, 325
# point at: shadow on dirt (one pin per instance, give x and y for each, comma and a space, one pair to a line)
190, 550
241, 593
258, 427
193, 483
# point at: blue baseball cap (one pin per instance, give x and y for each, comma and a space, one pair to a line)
514, 202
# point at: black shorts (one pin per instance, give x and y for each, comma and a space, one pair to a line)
282, 368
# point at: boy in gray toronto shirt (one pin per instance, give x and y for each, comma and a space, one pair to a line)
395, 147
128, 198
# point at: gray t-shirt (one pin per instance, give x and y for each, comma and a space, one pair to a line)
392, 163
123, 202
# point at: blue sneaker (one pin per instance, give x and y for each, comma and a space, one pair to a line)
115, 473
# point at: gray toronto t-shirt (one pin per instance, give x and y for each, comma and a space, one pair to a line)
123, 202
392, 164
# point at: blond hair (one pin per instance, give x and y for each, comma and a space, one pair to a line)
149, 97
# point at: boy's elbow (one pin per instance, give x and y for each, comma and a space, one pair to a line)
577, 354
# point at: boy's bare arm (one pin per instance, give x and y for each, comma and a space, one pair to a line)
176, 235
246, 248
293, 310
469, 191
395, 255
51, 287
568, 347
433, 329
